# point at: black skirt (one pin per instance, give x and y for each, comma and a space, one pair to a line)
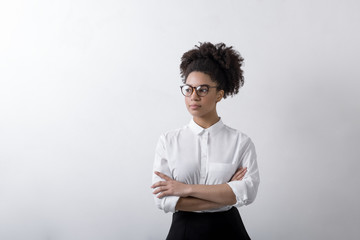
198, 226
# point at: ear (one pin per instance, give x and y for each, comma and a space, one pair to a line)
219, 95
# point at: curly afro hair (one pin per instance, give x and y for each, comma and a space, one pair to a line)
221, 63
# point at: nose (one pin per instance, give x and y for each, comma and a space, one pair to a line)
194, 96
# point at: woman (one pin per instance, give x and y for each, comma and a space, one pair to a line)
205, 170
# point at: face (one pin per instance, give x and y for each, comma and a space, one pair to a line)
202, 107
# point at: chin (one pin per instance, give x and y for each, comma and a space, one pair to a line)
195, 114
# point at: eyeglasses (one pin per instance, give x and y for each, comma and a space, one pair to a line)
201, 90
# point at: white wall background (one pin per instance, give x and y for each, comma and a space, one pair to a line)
87, 87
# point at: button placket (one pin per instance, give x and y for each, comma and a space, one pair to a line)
204, 156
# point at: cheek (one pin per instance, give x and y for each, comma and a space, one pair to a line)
210, 102
186, 100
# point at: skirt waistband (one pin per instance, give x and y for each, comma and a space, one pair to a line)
207, 214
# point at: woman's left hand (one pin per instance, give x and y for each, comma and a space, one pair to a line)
170, 187
239, 174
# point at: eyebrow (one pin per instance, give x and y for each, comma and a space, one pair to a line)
198, 85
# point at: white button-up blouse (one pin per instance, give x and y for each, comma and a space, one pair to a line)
194, 155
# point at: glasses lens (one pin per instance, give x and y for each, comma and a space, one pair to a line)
186, 90
202, 90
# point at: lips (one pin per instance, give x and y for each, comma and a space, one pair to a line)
194, 106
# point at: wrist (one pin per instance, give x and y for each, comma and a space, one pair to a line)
190, 190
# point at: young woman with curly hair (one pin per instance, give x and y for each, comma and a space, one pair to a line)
205, 170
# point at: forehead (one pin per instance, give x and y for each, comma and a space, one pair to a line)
198, 78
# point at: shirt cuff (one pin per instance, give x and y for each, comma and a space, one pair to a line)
170, 203
239, 189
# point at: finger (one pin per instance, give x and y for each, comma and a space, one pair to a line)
163, 176
159, 190
242, 170
240, 174
158, 184
163, 194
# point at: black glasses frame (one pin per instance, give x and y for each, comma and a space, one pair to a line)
197, 89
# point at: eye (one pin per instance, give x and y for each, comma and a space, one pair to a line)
203, 89
187, 89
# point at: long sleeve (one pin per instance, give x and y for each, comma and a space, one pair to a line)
167, 204
246, 189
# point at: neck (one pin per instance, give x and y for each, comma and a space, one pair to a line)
206, 122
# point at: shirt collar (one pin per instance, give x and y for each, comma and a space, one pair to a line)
211, 130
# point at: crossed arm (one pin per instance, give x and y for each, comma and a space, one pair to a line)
197, 197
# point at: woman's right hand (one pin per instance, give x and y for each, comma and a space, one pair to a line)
170, 187
239, 174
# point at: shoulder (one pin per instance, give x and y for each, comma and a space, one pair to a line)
173, 134
242, 138
236, 132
